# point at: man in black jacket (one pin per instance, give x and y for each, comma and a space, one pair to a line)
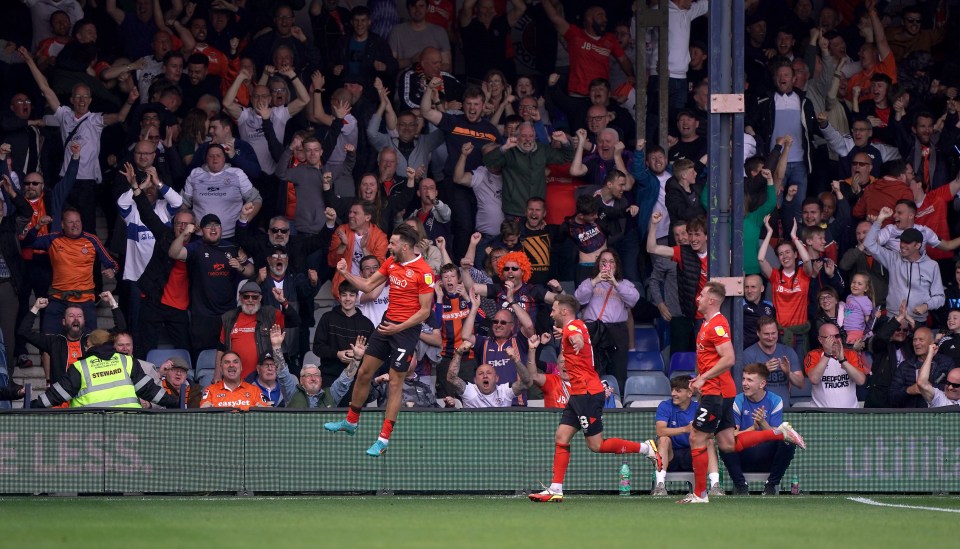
67, 347
888, 346
336, 331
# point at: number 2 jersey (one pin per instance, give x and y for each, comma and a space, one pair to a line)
714, 332
579, 366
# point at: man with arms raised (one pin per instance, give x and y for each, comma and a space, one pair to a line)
395, 339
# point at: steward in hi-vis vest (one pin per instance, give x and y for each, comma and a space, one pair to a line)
104, 378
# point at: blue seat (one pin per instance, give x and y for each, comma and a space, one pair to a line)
649, 387
206, 366
683, 363
613, 383
159, 356
649, 361
646, 338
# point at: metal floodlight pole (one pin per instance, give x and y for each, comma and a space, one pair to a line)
725, 130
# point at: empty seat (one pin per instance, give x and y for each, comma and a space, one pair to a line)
646, 338
206, 366
801, 398
159, 356
649, 361
646, 386
683, 363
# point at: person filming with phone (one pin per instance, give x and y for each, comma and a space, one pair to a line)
607, 298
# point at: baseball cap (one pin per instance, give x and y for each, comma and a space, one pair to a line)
266, 356
178, 362
911, 235
251, 287
209, 218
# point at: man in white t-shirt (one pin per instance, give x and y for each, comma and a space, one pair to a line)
834, 371
77, 123
487, 185
265, 107
485, 392
950, 395
373, 304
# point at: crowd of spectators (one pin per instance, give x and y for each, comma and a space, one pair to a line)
236, 157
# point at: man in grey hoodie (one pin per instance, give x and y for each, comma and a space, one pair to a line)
914, 277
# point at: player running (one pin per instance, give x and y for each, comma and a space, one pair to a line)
715, 357
395, 339
585, 407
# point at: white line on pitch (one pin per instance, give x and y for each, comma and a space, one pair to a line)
869, 501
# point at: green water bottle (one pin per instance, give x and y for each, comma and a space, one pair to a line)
624, 479
795, 485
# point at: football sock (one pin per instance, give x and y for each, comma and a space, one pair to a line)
386, 430
661, 476
556, 487
750, 439
713, 478
700, 463
619, 446
561, 458
353, 415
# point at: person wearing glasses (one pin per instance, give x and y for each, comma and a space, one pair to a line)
834, 371
905, 386
246, 328
950, 395
22, 133
889, 346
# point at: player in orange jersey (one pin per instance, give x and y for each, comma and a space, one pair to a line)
585, 407
715, 357
395, 339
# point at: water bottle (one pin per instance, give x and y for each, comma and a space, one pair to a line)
624, 479
795, 485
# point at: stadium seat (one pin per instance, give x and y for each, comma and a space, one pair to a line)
646, 386
645, 338
683, 363
535, 403
649, 361
310, 358
613, 383
159, 356
800, 398
206, 366
548, 354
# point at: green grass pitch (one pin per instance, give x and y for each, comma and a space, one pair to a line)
581, 522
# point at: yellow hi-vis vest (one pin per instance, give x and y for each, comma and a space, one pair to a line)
106, 383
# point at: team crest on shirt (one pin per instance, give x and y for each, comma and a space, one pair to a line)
428, 278
409, 273
84, 250
720, 331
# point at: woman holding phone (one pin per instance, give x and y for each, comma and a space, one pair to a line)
609, 298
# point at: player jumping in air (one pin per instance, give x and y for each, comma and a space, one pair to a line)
395, 339
585, 407
714, 416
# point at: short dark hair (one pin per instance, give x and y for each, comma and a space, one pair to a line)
599, 82
172, 55
697, 224
908, 203
472, 92
587, 205
765, 320
407, 234
811, 200
537, 199
613, 175
680, 382
360, 11
450, 268
347, 288
198, 59
893, 168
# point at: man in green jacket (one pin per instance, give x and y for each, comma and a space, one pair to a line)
524, 163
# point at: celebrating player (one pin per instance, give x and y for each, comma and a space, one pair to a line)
585, 407
715, 414
395, 339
